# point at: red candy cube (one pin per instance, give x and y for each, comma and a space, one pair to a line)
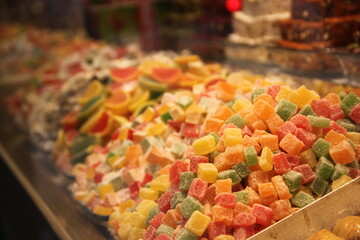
321, 107
176, 169
336, 112
306, 137
156, 221
150, 233
301, 121
198, 189
293, 160
263, 214
163, 236
287, 127
243, 233
174, 187
281, 163
164, 201
227, 200
147, 178
307, 173
355, 114
134, 189
195, 161
336, 127
246, 131
273, 90
244, 219
354, 173
216, 229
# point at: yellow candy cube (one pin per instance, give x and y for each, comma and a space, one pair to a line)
136, 219
177, 114
161, 183
111, 160
123, 133
195, 109
166, 107
89, 196
148, 115
80, 195
324, 234
341, 181
285, 92
224, 237
124, 231
232, 136
119, 163
207, 172
105, 189
136, 233
242, 104
304, 96
123, 206
156, 129
194, 118
149, 194
354, 136
145, 206
197, 223
204, 145
101, 210
265, 160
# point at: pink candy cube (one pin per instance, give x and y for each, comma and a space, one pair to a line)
321, 107
355, 114
243, 233
273, 90
156, 221
163, 236
227, 200
336, 127
306, 137
301, 121
281, 163
244, 220
195, 160
198, 189
176, 169
150, 233
293, 160
164, 201
216, 229
263, 214
336, 112
287, 127
307, 173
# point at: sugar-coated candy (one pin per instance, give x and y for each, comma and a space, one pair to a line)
324, 168
232, 136
319, 186
101, 210
243, 233
253, 121
341, 181
339, 170
148, 193
136, 233
355, 114
163, 236
154, 210
334, 138
257, 177
285, 109
216, 229
251, 142
164, 201
230, 174
257, 92
136, 219
234, 154
176, 169
237, 120
293, 180
354, 137
281, 209
300, 121
281, 163
190, 205
307, 138
222, 214
336, 112
223, 112
270, 141
281, 188
335, 127
242, 196
213, 125
103, 190
321, 122
307, 173
321, 107
291, 144
124, 231
244, 219
348, 125
253, 196
150, 233
156, 221
164, 229
266, 159
204, 145
274, 122
160, 183
342, 153
197, 223
304, 96
207, 172
185, 234
273, 90
308, 157
293, 160
267, 190
263, 214
287, 127
224, 237
242, 169
251, 157
321, 147
220, 163
301, 199
198, 189
307, 111
227, 200
349, 102
177, 198
186, 179
241, 208
223, 186
144, 207
263, 109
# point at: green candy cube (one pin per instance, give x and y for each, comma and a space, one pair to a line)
185, 234
232, 174
342, 95
339, 170
308, 157
256, 93
293, 180
324, 168
118, 183
154, 210
176, 199
307, 111
251, 157
185, 101
185, 180
242, 170
190, 205
321, 148
166, 117
178, 149
237, 120
319, 186
348, 125
164, 229
322, 122
242, 196
301, 199
286, 109
349, 102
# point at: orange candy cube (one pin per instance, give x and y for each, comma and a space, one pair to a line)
223, 112
342, 153
333, 98
280, 187
222, 214
291, 144
270, 141
250, 141
225, 91
234, 154
221, 163
254, 121
263, 109
274, 122
334, 137
223, 186
267, 98
213, 125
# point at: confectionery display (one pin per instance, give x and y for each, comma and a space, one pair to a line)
169, 145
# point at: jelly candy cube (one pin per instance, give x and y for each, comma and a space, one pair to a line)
243, 233
263, 214
244, 219
293, 180
281, 163
300, 121
204, 145
224, 237
348, 125
164, 229
190, 205
287, 127
342, 153
335, 127
333, 98
319, 186
339, 170
223, 112
319, 121
223, 186
257, 92
136, 233
263, 109
253, 196
301, 199
281, 188
185, 234
308, 157
195, 160
266, 159
304, 96
241, 208
324, 168
213, 125
293, 160
136, 219
207, 172
254, 122
160, 183
215, 229
176, 169
257, 177
270, 141
230, 174
163, 236
336, 112
307, 111
197, 223
334, 138
321, 107
227, 200
103, 190
177, 198
154, 210
355, 114
198, 189
354, 137
251, 157
274, 122
321, 147
186, 179
221, 163
285, 109
232, 136
341, 181
291, 144
285, 92
234, 154
164, 201
267, 190
250, 141
237, 120
307, 138
222, 214
156, 221
145, 206
150, 233
242, 196
281, 209
242, 170
349, 102
273, 90
307, 173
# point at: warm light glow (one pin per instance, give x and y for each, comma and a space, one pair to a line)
233, 5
